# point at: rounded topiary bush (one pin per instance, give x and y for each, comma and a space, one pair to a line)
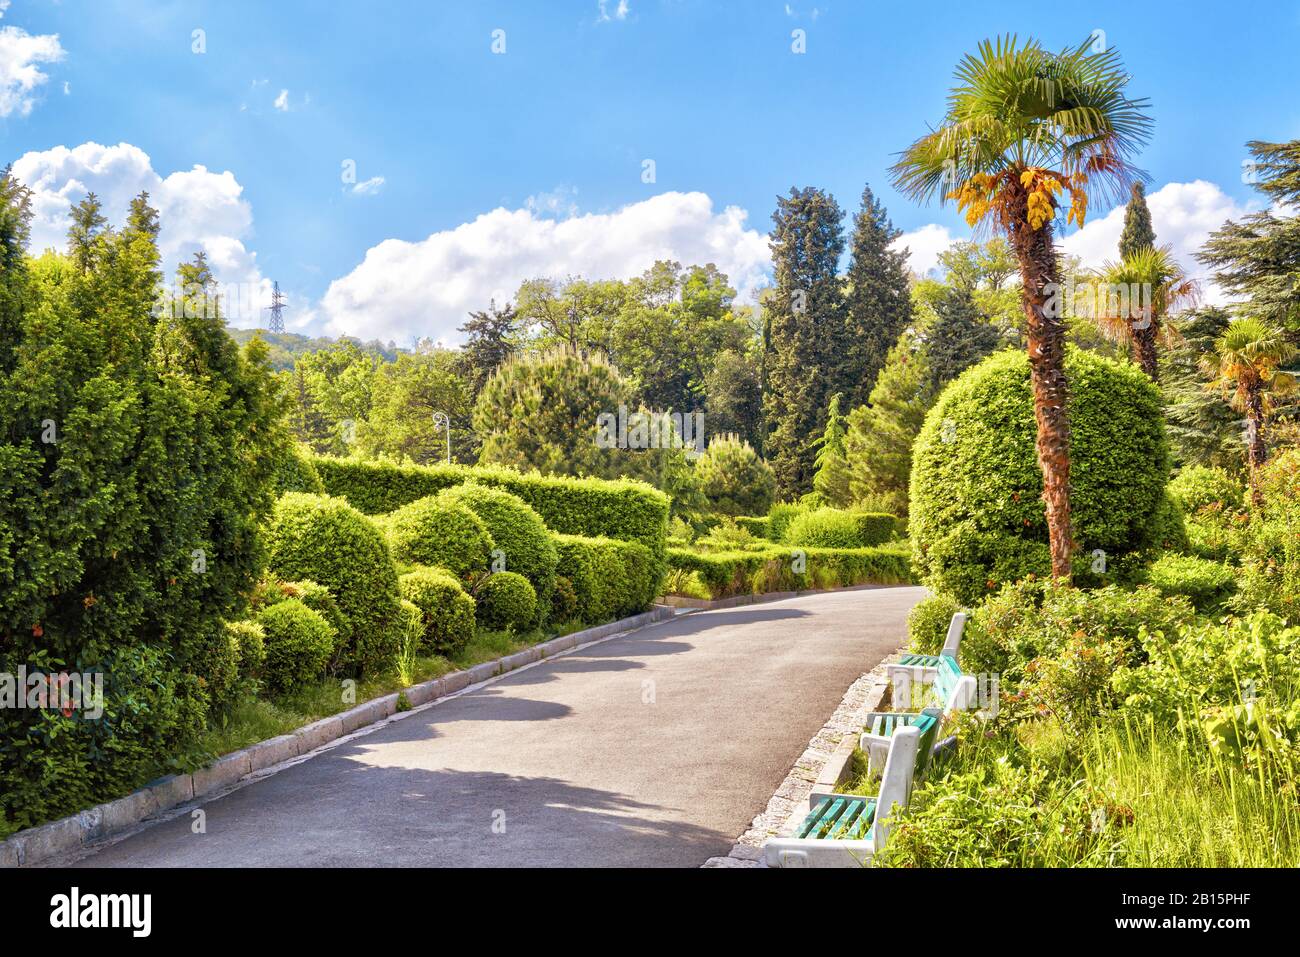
250, 644
299, 642
329, 542
435, 531
734, 477
506, 600
522, 541
446, 611
295, 472
837, 528
977, 514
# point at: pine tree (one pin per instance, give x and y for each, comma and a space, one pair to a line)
806, 325
1138, 232
15, 232
878, 304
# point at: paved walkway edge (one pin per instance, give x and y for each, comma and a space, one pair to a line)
863, 696
105, 823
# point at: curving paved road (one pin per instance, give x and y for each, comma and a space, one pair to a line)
654, 749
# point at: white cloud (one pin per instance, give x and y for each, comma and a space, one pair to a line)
197, 209
1183, 215
370, 186
924, 246
282, 101
404, 289
20, 52
620, 11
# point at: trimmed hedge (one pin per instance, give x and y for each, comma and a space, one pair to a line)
329, 542
506, 600
436, 531
1205, 583
608, 576
837, 528
446, 610
779, 517
299, 642
977, 515
624, 508
756, 526
774, 569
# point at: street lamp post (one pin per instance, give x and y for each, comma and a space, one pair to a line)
442, 420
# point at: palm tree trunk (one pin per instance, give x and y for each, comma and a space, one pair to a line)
1144, 349
1046, 339
1256, 450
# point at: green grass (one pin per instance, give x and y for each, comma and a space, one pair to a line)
256, 719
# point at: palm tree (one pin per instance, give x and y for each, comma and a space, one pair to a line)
1246, 364
1150, 280
1023, 127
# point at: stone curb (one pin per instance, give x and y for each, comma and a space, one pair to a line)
70, 834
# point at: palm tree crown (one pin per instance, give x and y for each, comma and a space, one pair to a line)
1247, 360
1022, 118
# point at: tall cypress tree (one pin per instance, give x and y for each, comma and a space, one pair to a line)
1138, 231
806, 320
879, 306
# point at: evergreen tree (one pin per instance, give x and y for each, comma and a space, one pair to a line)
490, 341
734, 397
88, 221
806, 325
1138, 231
15, 233
957, 337
878, 304
832, 478
1202, 426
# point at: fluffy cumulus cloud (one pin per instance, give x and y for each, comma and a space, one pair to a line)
198, 209
20, 74
404, 289
1183, 214
924, 246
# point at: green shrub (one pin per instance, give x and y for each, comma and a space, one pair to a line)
1205, 583
606, 575
446, 611
299, 642
521, 538
250, 640
780, 568
219, 671
977, 514
564, 600
295, 472
836, 528
329, 542
1032, 620
1073, 684
755, 526
779, 517
60, 764
434, 531
734, 478
506, 600
622, 508
1199, 486
927, 623
1270, 543
316, 597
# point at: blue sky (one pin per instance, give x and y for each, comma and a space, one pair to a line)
554, 133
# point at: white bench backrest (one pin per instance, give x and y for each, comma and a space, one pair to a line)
896, 783
955, 628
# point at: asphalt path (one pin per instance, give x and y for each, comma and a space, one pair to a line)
656, 748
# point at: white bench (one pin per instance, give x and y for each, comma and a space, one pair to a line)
911, 670
848, 830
